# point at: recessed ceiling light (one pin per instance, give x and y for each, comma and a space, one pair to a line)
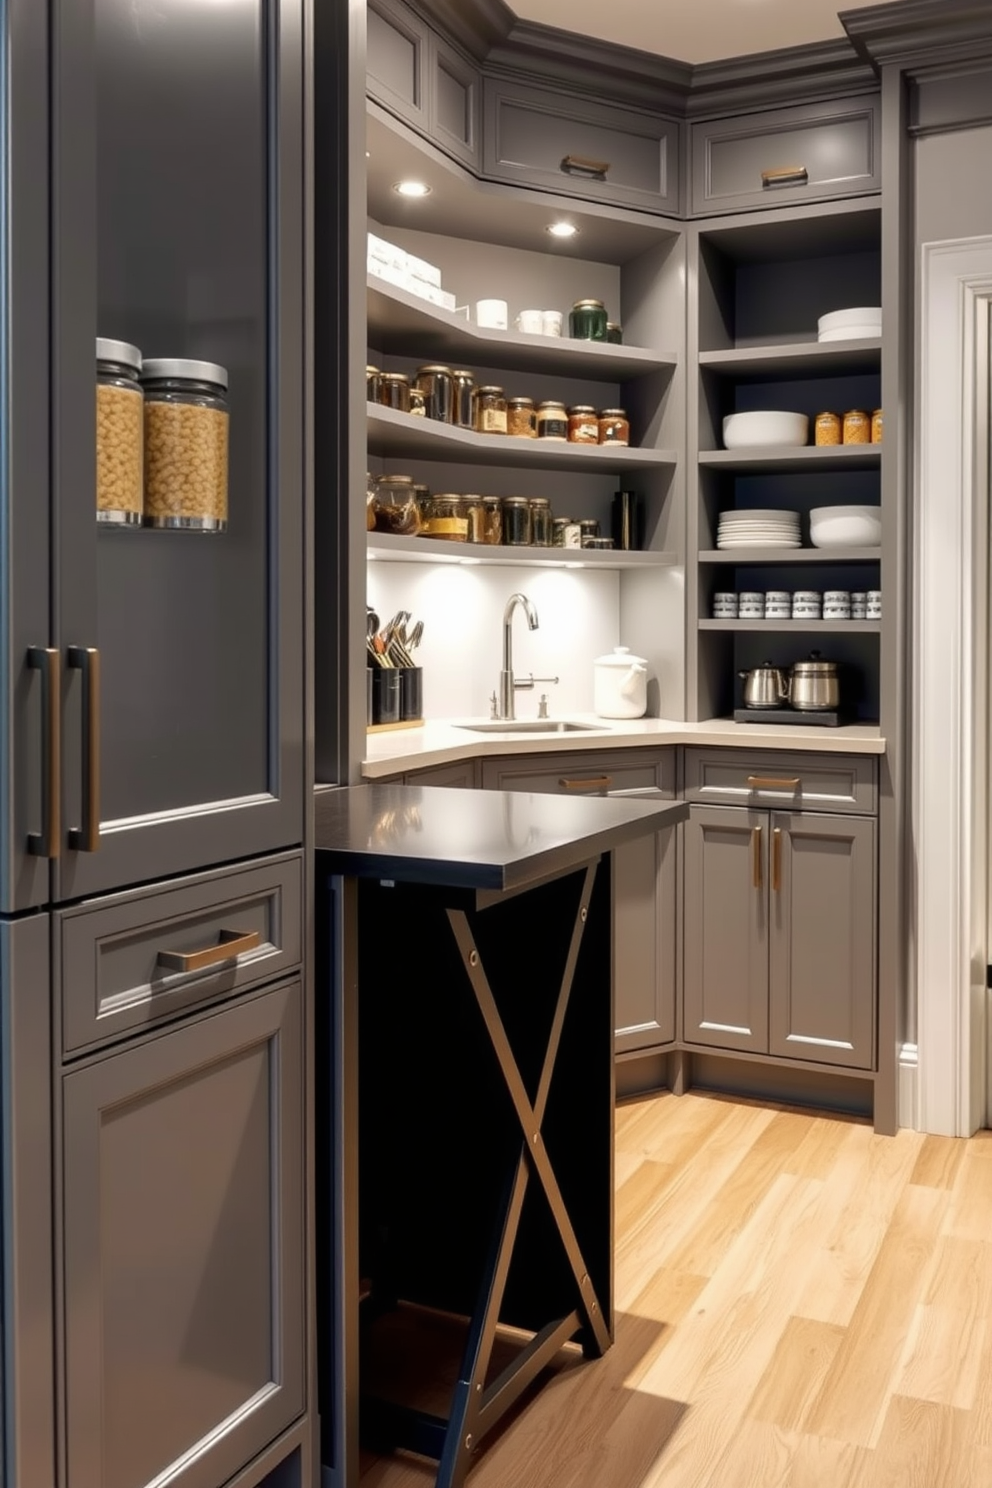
412, 188
561, 229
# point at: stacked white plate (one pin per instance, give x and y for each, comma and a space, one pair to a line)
862, 323
758, 529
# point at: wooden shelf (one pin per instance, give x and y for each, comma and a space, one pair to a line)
411, 437
393, 549
800, 359
406, 325
792, 461
792, 627
765, 556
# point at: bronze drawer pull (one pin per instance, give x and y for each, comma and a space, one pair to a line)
777, 859
595, 782
769, 782
788, 175
232, 944
87, 837
756, 857
46, 843
580, 165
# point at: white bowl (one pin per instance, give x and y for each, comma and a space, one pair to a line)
845, 527
861, 315
870, 331
745, 430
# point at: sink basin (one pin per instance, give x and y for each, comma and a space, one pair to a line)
527, 726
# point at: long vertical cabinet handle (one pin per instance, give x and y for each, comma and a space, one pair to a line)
777, 859
46, 659
756, 857
87, 837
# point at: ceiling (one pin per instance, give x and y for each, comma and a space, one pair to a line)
695, 30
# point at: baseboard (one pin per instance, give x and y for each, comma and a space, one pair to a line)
907, 1096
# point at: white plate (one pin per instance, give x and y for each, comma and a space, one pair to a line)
783, 529
854, 315
851, 333
762, 542
759, 514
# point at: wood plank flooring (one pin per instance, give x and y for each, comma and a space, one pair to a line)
800, 1304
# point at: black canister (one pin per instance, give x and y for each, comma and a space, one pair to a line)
385, 694
627, 520
411, 693
462, 387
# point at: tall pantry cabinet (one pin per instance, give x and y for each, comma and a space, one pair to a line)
152, 761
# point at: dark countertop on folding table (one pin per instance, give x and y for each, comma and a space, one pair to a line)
475, 839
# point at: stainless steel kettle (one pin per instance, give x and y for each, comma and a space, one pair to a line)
814, 685
764, 687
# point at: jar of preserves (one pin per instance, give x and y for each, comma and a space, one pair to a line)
565, 533
462, 387
827, 429
437, 386
521, 418
540, 521
489, 410
476, 513
587, 320
492, 507
447, 517
552, 421
583, 427
516, 521
120, 434
614, 426
614, 332
857, 427
876, 426
186, 441
373, 383
588, 528
394, 505
394, 391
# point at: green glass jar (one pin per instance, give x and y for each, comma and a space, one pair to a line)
587, 320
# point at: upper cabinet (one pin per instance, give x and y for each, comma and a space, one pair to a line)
417, 75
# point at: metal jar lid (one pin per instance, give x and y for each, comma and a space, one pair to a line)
552, 406
589, 305
489, 391
395, 377
580, 408
394, 480
435, 368
613, 413
541, 501
161, 369
520, 402
121, 352
463, 374
516, 501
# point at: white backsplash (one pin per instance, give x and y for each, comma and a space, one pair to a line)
462, 610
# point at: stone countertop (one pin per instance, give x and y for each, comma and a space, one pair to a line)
507, 840
444, 742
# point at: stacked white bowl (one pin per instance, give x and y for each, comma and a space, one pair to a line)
863, 322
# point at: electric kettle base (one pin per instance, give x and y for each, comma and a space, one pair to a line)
821, 717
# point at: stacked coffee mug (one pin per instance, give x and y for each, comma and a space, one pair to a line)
778, 604
725, 606
800, 604
751, 605
807, 604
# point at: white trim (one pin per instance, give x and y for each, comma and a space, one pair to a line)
908, 1089
947, 735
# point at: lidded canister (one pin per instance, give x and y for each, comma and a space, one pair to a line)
373, 382
119, 434
540, 521
857, 427
462, 387
613, 426
186, 444
516, 521
587, 320
435, 382
876, 426
583, 425
827, 429
552, 420
489, 410
521, 419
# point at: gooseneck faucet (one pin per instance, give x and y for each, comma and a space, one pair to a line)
506, 682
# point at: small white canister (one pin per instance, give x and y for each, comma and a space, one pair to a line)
620, 685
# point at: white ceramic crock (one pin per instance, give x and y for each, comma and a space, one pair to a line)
620, 685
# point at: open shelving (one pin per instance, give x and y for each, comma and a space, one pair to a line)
393, 548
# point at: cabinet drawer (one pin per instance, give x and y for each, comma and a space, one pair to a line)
811, 782
587, 773
463, 774
121, 962
832, 148
537, 138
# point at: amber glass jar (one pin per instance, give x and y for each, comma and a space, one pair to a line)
394, 505
492, 507
826, 430
435, 382
462, 387
857, 427
418, 404
476, 513
583, 426
614, 426
516, 521
552, 421
447, 517
489, 410
394, 391
521, 418
373, 382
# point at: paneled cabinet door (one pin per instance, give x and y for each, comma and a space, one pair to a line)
644, 940
183, 1164
822, 944
177, 194
725, 928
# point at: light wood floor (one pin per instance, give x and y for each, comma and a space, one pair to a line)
800, 1304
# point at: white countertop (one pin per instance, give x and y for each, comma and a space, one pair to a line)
443, 742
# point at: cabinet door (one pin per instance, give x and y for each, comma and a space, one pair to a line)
396, 60
462, 773
183, 1164
822, 941
456, 102
725, 929
177, 194
644, 940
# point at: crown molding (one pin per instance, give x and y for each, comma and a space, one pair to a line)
476, 25
764, 79
920, 32
570, 61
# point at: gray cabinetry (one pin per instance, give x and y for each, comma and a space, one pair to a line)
184, 1260
558, 142
422, 79
456, 102
809, 152
462, 773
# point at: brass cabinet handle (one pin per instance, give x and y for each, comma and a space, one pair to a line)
231, 945
595, 782
46, 659
787, 175
87, 837
770, 782
756, 857
581, 165
777, 859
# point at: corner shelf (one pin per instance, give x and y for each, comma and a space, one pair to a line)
412, 437
766, 556
796, 359
796, 627
391, 548
786, 461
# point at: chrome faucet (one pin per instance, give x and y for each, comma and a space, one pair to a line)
508, 684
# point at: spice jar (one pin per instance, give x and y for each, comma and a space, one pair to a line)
827, 429
521, 419
394, 391
462, 387
588, 528
492, 507
119, 434
857, 427
489, 410
587, 320
614, 426
516, 521
552, 421
373, 383
540, 521
476, 513
394, 504
583, 427
447, 517
876, 426
614, 332
186, 439
565, 533
435, 383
